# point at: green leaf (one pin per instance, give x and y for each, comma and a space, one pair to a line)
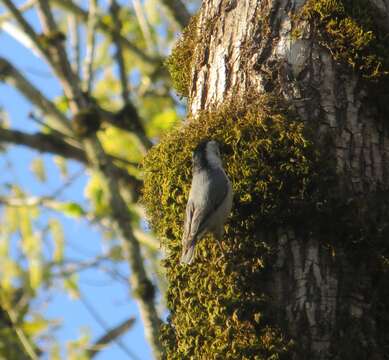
35, 326
31, 245
62, 165
94, 191
162, 122
71, 286
58, 238
71, 209
9, 270
35, 272
62, 103
38, 169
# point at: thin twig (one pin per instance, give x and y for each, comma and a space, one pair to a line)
102, 164
22, 8
144, 26
56, 119
131, 123
21, 335
115, 9
178, 11
19, 35
13, 77
25, 26
50, 202
67, 268
103, 324
74, 32
68, 182
134, 123
110, 336
43, 143
54, 145
47, 128
58, 59
107, 29
90, 46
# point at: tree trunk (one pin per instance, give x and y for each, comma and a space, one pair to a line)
326, 294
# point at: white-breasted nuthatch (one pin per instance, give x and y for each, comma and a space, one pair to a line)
210, 198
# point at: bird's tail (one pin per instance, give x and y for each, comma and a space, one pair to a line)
188, 253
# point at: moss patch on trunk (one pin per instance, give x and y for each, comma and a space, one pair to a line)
179, 63
220, 308
349, 30
217, 302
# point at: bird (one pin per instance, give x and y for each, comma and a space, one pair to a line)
210, 199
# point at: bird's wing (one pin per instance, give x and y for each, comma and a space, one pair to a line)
188, 219
201, 206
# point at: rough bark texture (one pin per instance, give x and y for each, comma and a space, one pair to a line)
329, 303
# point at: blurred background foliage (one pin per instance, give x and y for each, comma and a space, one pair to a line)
37, 210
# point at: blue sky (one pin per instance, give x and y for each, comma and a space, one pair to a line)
109, 298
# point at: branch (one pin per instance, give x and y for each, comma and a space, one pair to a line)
130, 115
128, 119
143, 288
70, 83
15, 32
107, 30
57, 120
114, 10
178, 11
51, 144
51, 48
57, 57
74, 32
50, 202
110, 336
25, 26
90, 46
28, 347
144, 26
102, 323
67, 268
27, 201
42, 143
10, 75
22, 8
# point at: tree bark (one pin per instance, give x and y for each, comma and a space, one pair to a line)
327, 303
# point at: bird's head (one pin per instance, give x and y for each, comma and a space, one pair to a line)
207, 155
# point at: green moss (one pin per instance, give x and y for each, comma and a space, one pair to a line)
219, 305
179, 63
258, 142
349, 29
